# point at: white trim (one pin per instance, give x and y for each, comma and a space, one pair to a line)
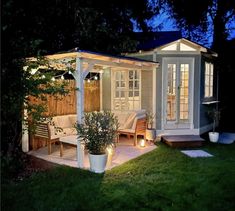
137, 65
177, 61
191, 90
80, 105
163, 110
140, 89
154, 97
178, 132
112, 87
199, 131
179, 52
25, 132
87, 70
210, 102
101, 91
199, 92
80, 92
193, 45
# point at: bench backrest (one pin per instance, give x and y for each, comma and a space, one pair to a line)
42, 130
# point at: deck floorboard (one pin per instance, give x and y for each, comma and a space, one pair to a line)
183, 141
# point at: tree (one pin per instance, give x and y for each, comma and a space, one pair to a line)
200, 18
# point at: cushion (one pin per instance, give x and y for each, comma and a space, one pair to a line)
122, 117
64, 121
55, 133
54, 121
73, 119
69, 131
129, 122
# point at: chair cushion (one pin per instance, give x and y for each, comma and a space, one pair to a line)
64, 121
130, 120
73, 119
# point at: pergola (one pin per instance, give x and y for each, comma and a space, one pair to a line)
84, 62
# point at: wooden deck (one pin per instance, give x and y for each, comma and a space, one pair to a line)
183, 141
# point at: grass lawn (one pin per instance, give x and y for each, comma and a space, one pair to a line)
164, 179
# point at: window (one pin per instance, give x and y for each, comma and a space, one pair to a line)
126, 90
209, 76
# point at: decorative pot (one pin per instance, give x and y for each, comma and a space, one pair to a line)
150, 134
214, 136
98, 162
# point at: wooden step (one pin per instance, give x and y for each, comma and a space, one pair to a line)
182, 141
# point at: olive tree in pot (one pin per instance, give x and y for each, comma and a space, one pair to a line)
98, 131
150, 131
215, 116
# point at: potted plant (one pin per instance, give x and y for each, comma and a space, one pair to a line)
215, 116
98, 131
150, 131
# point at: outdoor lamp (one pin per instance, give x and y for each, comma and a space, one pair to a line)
142, 143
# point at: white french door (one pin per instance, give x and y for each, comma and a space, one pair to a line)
177, 93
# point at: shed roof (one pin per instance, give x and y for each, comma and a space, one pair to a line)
152, 40
99, 59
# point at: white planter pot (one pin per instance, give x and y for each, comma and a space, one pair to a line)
214, 136
97, 162
150, 134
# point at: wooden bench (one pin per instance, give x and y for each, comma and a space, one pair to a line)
140, 129
42, 130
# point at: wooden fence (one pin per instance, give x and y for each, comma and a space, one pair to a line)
62, 105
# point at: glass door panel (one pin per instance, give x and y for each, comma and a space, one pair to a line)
184, 97
171, 92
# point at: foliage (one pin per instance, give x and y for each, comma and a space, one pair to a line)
98, 131
210, 17
214, 114
174, 182
150, 119
33, 86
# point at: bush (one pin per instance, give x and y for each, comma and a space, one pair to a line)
98, 131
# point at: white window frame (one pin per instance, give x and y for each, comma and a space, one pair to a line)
127, 90
209, 80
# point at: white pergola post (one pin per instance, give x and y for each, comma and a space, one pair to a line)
25, 133
80, 74
80, 107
